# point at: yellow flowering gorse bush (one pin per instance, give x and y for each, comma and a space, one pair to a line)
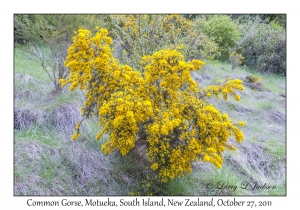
162, 109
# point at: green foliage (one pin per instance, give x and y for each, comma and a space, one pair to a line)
139, 35
47, 38
280, 19
224, 32
198, 45
264, 46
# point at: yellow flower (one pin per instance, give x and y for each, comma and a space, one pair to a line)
75, 136
162, 109
211, 150
237, 97
206, 158
154, 166
241, 123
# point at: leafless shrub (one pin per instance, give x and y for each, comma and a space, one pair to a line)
47, 37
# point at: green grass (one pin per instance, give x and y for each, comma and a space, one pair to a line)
67, 97
265, 105
25, 63
275, 83
89, 130
276, 147
39, 134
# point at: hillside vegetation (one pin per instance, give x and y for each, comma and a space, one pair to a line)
48, 162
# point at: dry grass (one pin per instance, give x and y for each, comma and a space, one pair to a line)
49, 163
256, 86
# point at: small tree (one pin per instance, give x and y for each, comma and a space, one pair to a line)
161, 113
47, 38
223, 30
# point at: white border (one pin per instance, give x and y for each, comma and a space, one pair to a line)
8, 8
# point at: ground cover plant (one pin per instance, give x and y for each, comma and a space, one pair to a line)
149, 143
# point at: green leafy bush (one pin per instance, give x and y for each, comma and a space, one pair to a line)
263, 46
223, 30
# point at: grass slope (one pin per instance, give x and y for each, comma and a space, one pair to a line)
47, 162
